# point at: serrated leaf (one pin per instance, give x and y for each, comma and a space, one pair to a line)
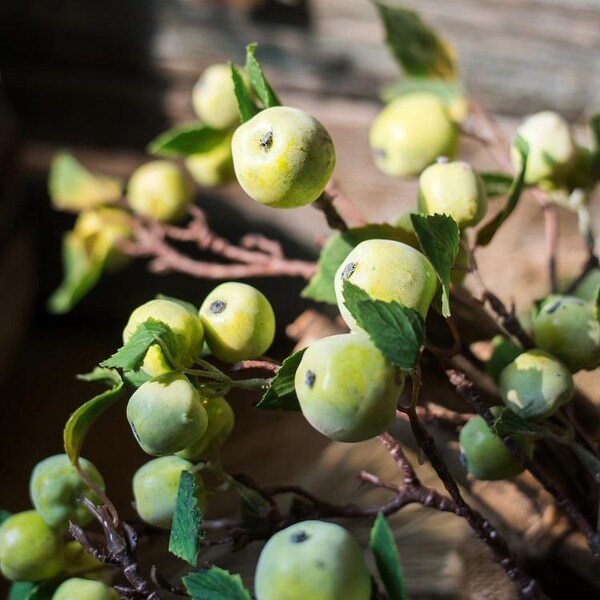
439, 238
253, 506
387, 559
187, 305
73, 187
418, 50
398, 331
82, 268
131, 355
281, 394
194, 138
259, 82
496, 184
186, 534
486, 233
321, 286
215, 584
85, 416
509, 423
246, 105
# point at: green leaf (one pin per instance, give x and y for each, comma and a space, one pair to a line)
321, 286
186, 534
195, 138
254, 508
82, 268
131, 355
215, 584
259, 82
246, 105
387, 559
27, 590
398, 331
281, 394
4, 514
595, 127
85, 416
137, 378
496, 184
72, 187
417, 49
509, 423
598, 303
439, 237
486, 233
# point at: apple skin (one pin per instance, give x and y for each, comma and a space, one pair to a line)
155, 486
535, 385
410, 133
552, 151
55, 487
283, 157
166, 414
454, 189
160, 190
30, 550
566, 327
346, 388
77, 588
238, 321
312, 560
214, 99
185, 325
389, 271
214, 167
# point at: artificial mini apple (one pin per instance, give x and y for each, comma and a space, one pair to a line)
454, 189
160, 190
283, 157
410, 133
77, 588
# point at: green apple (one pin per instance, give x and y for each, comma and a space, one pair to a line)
312, 560
214, 99
283, 157
214, 167
55, 488
155, 486
185, 324
389, 271
566, 327
166, 414
238, 321
552, 150
454, 189
535, 385
221, 419
410, 133
80, 562
346, 388
77, 588
160, 190
30, 550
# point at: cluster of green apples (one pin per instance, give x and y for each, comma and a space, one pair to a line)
34, 543
170, 416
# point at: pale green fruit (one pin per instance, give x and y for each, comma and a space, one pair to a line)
77, 588
552, 150
567, 327
389, 271
155, 486
101, 229
312, 560
185, 324
346, 388
535, 385
587, 288
214, 167
160, 190
55, 488
166, 414
410, 133
221, 419
214, 99
453, 189
79, 562
30, 550
283, 157
238, 321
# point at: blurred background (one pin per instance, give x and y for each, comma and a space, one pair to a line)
104, 78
